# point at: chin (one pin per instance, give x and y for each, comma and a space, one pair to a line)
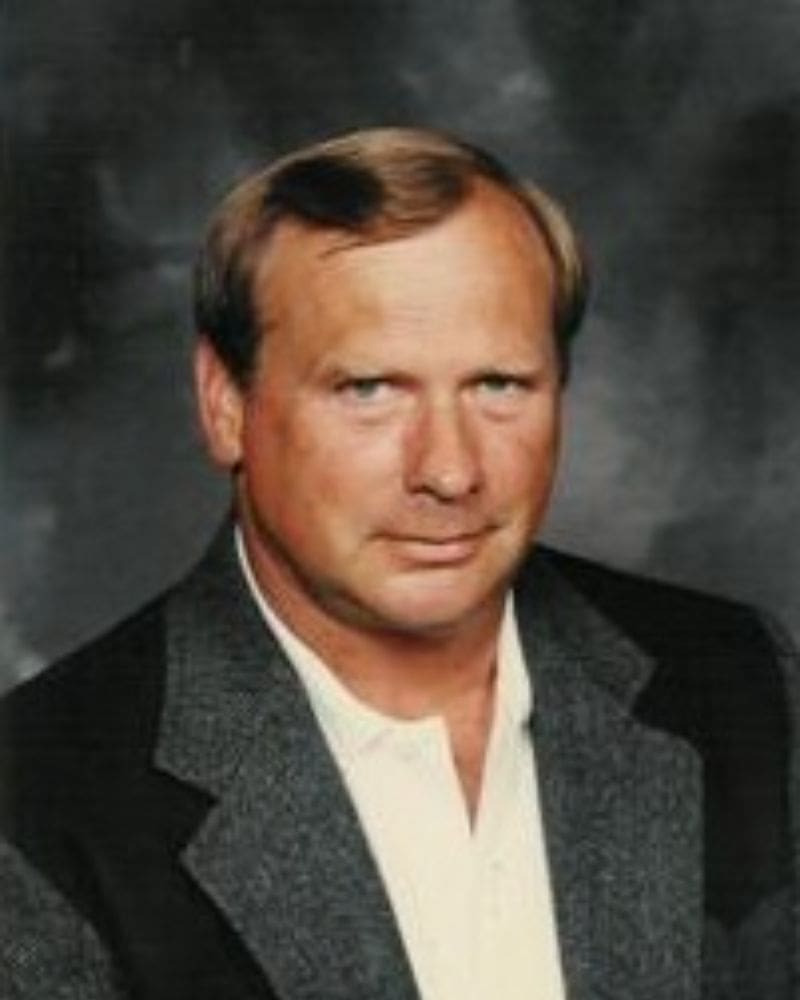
430, 611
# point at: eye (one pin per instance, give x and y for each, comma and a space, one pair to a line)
365, 389
502, 385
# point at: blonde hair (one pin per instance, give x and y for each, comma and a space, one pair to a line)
378, 184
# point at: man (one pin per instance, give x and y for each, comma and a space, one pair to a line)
377, 745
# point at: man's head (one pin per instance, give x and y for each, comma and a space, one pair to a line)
383, 333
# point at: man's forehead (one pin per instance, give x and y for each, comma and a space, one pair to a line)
484, 268
488, 209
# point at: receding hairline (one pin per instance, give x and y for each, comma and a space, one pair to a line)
480, 194
373, 186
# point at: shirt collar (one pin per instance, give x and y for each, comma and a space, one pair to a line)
356, 726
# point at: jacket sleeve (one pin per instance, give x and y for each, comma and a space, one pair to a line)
47, 951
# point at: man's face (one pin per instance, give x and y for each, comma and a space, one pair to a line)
396, 445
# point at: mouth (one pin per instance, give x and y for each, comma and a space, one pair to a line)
438, 550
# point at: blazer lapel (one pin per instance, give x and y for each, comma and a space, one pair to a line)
621, 805
281, 853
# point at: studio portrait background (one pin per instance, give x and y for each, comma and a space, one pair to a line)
669, 128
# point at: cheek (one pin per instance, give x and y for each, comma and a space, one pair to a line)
325, 465
521, 462
345, 451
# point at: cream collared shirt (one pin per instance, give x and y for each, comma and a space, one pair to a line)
472, 901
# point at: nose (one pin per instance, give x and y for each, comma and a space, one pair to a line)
443, 456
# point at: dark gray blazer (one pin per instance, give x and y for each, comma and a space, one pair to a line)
174, 827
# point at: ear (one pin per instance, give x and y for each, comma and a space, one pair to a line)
220, 405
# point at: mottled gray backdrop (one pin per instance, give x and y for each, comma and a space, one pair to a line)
671, 128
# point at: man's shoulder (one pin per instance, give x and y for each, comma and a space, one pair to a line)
668, 618
725, 681
81, 790
597, 579
107, 694
98, 699
722, 673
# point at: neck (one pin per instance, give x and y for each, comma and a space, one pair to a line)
410, 676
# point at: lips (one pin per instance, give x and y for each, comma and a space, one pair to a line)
438, 549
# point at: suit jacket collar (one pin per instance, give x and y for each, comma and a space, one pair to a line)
282, 853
